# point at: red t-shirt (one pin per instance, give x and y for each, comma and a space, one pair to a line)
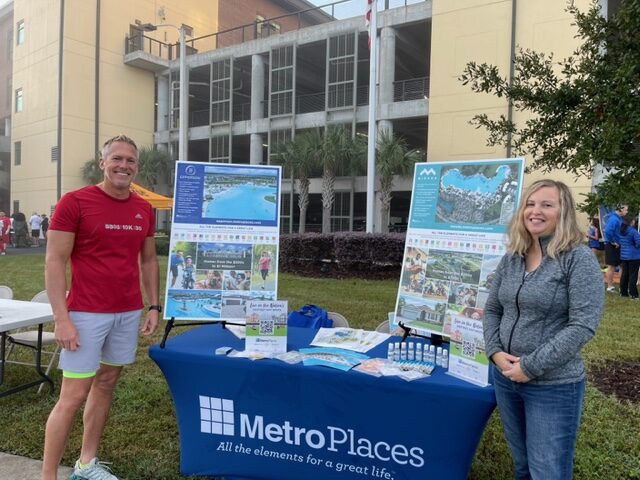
109, 235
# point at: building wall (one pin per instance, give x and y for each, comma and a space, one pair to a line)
480, 31
126, 95
35, 70
231, 16
7, 40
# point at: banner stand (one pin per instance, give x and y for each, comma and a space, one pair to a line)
171, 323
435, 339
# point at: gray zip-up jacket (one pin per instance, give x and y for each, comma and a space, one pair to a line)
546, 317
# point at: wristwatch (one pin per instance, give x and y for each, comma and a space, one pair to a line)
155, 307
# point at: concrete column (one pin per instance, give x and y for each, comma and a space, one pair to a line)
387, 64
255, 149
163, 103
257, 88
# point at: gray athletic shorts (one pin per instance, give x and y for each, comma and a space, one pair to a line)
110, 338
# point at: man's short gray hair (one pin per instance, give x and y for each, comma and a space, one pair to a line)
104, 153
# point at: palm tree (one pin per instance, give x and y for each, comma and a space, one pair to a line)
91, 173
300, 156
393, 157
339, 152
154, 167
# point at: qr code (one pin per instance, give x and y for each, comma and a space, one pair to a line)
468, 349
267, 327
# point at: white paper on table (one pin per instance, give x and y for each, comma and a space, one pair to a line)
349, 339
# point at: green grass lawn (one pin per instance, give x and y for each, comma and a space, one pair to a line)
142, 439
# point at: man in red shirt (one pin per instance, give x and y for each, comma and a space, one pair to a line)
105, 231
5, 226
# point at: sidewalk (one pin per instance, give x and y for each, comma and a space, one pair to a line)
13, 251
13, 467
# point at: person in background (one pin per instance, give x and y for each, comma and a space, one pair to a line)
106, 232
544, 305
5, 227
612, 243
44, 226
594, 238
20, 229
35, 221
630, 258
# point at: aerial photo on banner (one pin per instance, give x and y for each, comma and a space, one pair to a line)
224, 240
455, 239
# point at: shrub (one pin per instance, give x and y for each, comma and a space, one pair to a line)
162, 245
342, 255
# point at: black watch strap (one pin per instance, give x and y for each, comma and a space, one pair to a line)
155, 307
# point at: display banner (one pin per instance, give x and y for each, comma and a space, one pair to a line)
455, 238
266, 330
224, 240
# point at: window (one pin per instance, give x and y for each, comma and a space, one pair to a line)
341, 212
16, 205
20, 32
17, 153
19, 100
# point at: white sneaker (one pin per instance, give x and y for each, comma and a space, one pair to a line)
95, 470
611, 289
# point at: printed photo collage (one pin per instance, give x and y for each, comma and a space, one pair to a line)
439, 283
215, 279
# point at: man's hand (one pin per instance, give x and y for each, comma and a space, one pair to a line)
66, 334
150, 324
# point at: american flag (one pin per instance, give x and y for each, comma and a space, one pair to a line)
367, 18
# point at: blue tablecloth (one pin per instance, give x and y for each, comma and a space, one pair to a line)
270, 420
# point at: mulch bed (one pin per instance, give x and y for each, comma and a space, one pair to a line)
621, 379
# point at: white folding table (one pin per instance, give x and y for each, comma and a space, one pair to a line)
16, 314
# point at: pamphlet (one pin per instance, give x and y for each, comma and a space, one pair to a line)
266, 330
349, 339
332, 357
372, 366
289, 357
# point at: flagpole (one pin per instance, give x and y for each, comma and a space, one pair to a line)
373, 102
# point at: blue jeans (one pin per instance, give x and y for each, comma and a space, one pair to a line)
541, 426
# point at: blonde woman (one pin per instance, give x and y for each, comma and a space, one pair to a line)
544, 305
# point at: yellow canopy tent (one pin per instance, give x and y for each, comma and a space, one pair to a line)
156, 200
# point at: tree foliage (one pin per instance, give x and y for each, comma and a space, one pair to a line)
586, 108
339, 153
393, 157
300, 157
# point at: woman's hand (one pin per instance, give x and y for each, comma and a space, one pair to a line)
515, 373
504, 361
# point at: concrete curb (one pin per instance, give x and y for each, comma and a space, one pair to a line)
13, 467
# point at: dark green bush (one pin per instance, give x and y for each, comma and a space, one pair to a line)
342, 255
162, 245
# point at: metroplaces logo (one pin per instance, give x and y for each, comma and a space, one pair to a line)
218, 417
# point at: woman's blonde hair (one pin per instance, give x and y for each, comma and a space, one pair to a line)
567, 233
